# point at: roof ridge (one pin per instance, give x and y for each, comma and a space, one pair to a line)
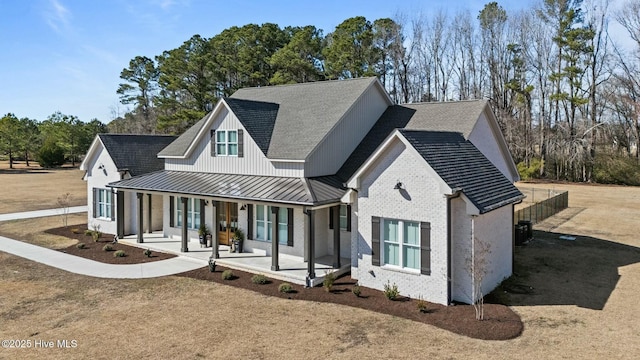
308, 83
445, 102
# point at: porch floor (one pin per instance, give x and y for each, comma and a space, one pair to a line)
292, 268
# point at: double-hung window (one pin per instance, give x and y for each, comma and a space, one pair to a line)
343, 217
105, 202
401, 243
227, 143
264, 225
193, 213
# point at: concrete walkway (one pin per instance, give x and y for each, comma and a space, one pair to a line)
78, 265
42, 213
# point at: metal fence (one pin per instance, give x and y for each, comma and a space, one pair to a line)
543, 209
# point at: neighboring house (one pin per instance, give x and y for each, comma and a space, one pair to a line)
405, 192
113, 157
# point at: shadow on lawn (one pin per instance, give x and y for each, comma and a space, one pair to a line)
552, 271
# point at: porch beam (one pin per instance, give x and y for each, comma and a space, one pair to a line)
275, 264
149, 228
311, 246
214, 232
336, 237
185, 235
140, 197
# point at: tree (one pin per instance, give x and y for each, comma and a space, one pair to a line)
143, 74
50, 154
349, 52
10, 136
300, 60
30, 139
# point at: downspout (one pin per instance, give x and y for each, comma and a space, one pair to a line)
473, 258
456, 193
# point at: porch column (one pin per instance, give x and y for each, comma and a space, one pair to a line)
185, 235
149, 227
274, 239
140, 197
214, 232
336, 237
120, 214
311, 246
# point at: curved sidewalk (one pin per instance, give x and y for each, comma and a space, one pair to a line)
42, 213
78, 265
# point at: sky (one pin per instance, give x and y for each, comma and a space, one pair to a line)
67, 55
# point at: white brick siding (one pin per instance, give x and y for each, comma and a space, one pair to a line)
423, 202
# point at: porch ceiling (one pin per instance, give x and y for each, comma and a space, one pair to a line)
246, 187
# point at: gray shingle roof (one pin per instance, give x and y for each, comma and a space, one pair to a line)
248, 187
136, 153
257, 117
461, 165
181, 144
307, 112
458, 116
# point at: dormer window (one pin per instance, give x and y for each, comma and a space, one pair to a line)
227, 143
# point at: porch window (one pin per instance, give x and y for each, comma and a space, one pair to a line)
343, 217
227, 143
264, 224
193, 213
105, 201
401, 243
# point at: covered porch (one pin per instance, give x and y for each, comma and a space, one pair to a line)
292, 268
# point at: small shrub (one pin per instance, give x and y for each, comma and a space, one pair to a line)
119, 253
391, 291
285, 288
88, 232
356, 290
147, 253
95, 233
75, 231
81, 246
228, 275
259, 279
530, 172
107, 247
329, 279
422, 305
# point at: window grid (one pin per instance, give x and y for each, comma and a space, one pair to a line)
401, 243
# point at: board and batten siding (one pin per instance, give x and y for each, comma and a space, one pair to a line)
254, 162
336, 147
486, 140
423, 201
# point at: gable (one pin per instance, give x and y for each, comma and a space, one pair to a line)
257, 117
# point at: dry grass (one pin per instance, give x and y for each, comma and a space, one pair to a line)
173, 317
32, 230
37, 189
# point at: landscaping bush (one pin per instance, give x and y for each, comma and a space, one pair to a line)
95, 233
329, 279
75, 231
119, 253
356, 290
391, 291
422, 305
285, 288
259, 279
228, 275
107, 247
147, 253
81, 245
88, 232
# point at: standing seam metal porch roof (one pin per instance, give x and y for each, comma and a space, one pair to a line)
298, 191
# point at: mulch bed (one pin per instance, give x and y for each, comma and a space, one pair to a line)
500, 323
93, 250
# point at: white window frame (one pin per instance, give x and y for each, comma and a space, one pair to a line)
283, 222
343, 216
401, 242
193, 214
223, 141
105, 202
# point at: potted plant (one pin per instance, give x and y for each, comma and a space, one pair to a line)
238, 239
203, 231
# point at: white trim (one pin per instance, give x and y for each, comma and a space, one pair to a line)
90, 153
286, 160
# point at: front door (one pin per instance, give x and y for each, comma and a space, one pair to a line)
227, 221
